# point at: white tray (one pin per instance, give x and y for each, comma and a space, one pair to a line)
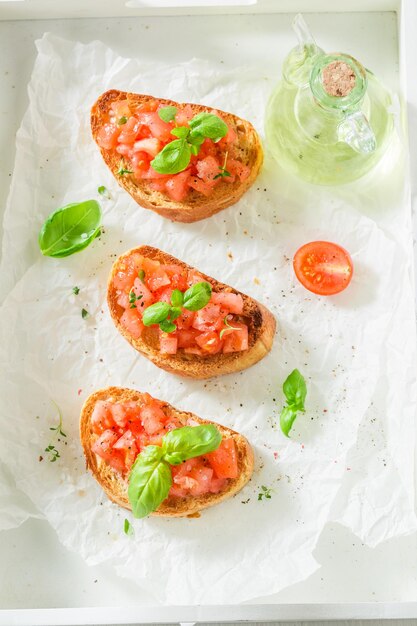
40, 582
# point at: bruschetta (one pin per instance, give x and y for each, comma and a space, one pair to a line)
201, 327
209, 166
117, 425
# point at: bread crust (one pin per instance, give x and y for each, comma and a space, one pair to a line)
196, 206
115, 486
260, 321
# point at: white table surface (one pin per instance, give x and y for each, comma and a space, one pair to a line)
35, 570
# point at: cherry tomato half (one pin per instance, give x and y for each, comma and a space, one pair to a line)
323, 267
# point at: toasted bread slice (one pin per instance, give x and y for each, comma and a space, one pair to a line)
196, 206
260, 321
116, 486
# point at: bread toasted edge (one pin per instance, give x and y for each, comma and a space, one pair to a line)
261, 330
115, 486
223, 196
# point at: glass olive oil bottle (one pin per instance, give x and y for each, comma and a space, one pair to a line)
328, 121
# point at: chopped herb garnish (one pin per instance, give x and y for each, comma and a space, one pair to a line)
265, 493
128, 528
58, 428
123, 170
122, 120
223, 171
53, 453
103, 191
51, 450
75, 291
84, 313
141, 275
226, 322
133, 298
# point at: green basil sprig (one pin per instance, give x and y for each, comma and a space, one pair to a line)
295, 391
168, 113
175, 156
164, 314
188, 442
150, 478
70, 229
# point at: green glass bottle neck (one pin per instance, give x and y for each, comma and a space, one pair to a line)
353, 98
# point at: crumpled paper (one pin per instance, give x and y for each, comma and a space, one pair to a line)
350, 456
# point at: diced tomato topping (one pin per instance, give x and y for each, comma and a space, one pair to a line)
101, 417
184, 115
177, 276
185, 321
238, 168
202, 186
144, 295
119, 414
187, 338
230, 137
123, 300
217, 484
209, 342
233, 302
168, 344
177, 186
127, 440
157, 279
159, 129
120, 108
237, 340
153, 418
124, 278
208, 168
132, 322
107, 136
103, 447
208, 318
164, 294
224, 459
129, 131
151, 146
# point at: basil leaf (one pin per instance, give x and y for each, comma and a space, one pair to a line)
155, 313
196, 140
174, 313
103, 191
167, 114
177, 298
295, 390
181, 131
128, 528
190, 441
287, 418
70, 229
172, 159
167, 326
208, 125
197, 296
150, 480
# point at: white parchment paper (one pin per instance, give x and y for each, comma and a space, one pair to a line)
350, 457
